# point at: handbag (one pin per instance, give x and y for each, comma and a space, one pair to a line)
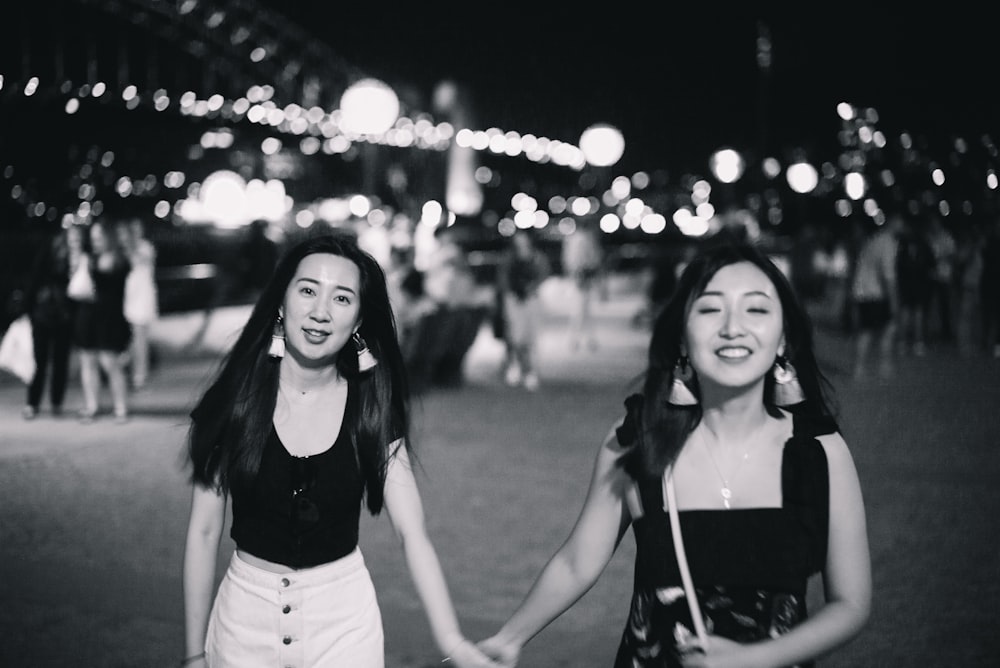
670, 501
81, 283
17, 350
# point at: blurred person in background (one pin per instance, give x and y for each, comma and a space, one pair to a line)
833, 263
582, 262
989, 287
734, 415
663, 270
258, 256
943, 282
447, 277
522, 269
968, 275
141, 298
914, 268
307, 416
406, 291
875, 296
442, 319
50, 311
101, 333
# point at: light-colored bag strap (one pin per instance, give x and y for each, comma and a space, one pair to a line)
670, 501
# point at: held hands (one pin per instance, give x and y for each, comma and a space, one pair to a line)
505, 654
467, 655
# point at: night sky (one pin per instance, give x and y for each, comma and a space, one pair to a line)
680, 83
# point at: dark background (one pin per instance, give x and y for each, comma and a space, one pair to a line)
681, 81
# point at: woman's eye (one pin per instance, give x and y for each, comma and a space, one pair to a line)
342, 299
708, 309
306, 291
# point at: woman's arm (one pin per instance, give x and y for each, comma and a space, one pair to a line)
578, 563
201, 549
847, 581
405, 509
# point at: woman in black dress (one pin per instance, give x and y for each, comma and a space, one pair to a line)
101, 332
732, 416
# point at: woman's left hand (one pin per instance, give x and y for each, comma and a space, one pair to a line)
717, 652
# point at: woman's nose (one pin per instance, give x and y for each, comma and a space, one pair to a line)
320, 313
732, 324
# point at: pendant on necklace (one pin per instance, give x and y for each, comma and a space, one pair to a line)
726, 495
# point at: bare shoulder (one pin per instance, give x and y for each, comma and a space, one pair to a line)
610, 450
610, 442
838, 454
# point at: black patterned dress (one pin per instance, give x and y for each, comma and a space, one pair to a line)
749, 566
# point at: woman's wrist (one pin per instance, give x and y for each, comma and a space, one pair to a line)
453, 647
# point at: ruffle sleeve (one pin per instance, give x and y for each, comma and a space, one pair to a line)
628, 432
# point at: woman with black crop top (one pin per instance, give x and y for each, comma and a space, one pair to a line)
732, 424
306, 419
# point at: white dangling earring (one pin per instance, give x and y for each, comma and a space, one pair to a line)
277, 349
787, 389
366, 361
680, 393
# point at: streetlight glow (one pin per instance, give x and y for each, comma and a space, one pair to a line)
802, 177
602, 145
369, 107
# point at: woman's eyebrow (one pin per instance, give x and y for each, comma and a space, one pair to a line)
307, 279
750, 293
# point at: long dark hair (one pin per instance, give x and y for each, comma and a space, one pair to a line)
233, 419
664, 426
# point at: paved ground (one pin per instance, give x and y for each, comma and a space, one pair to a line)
92, 517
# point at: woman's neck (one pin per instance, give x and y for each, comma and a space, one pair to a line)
303, 382
733, 421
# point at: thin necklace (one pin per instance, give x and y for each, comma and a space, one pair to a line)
726, 491
288, 384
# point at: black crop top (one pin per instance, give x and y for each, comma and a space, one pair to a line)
300, 511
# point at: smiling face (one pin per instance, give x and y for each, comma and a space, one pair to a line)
322, 306
734, 330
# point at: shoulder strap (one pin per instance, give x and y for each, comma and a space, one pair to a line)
670, 500
813, 425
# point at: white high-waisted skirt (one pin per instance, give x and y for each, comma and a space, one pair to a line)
315, 617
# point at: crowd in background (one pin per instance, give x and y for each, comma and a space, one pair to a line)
912, 286
91, 291
909, 287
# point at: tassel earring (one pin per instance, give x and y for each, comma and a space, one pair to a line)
277, 349
680, 393
787, 389
366, 361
